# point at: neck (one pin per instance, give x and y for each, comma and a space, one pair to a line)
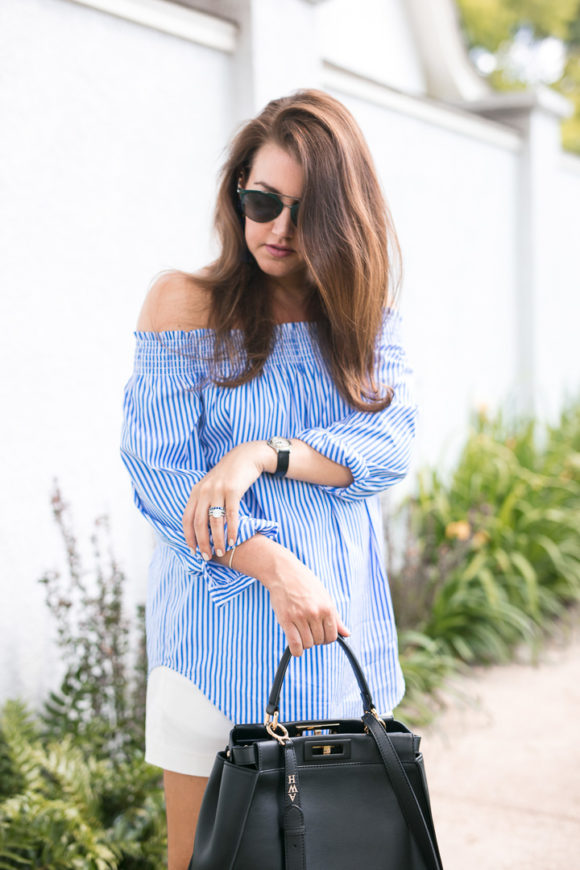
295, 293
290, 307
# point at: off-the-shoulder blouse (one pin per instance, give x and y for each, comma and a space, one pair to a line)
215, 625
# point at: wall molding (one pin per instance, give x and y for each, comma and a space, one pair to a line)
172, 18
425, 109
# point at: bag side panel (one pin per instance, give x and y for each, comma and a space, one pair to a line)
222, 818
262, 844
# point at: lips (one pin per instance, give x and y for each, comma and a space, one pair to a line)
275, 251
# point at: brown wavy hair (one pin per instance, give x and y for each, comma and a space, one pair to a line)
346, 235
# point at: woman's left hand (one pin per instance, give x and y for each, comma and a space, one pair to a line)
223, 486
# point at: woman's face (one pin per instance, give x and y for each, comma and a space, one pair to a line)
274, 245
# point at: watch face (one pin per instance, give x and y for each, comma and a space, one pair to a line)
280, 443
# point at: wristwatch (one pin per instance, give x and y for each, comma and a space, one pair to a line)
282, 447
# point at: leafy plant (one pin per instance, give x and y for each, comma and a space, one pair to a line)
98, 700
492, 556
75, 790
62, 808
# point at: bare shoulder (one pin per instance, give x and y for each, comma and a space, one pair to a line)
175, 300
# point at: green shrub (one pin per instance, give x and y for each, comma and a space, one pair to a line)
492, 556
75, 790
61, 807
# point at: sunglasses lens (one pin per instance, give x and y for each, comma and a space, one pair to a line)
260, 207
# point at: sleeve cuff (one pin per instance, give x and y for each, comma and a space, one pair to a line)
333, 447
223, 582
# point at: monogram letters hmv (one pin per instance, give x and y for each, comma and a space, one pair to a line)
292, 790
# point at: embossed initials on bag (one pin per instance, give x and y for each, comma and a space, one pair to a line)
292, 789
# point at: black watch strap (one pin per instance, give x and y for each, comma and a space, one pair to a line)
282, 448
283, 462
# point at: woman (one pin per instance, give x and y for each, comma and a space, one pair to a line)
290, 334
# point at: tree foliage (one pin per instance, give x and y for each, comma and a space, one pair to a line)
494, 25
489, 23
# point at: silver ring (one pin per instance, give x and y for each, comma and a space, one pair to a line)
217, 512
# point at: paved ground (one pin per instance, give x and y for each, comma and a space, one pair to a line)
503, 766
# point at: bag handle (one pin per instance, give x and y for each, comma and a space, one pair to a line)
292, 816
274, 699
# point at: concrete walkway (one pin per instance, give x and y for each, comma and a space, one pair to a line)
503, 766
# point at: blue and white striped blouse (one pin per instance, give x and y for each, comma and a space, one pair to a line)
215, 625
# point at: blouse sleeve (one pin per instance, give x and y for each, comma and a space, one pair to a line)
160, 449
375, 446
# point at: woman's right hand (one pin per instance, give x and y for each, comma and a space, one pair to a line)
303, 607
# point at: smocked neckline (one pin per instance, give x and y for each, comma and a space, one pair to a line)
184, 351
209, 331
189, 350
278, 327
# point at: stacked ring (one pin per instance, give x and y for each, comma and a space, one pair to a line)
217, 512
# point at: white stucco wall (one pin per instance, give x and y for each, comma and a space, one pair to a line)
561, 309
373, 38
112, 136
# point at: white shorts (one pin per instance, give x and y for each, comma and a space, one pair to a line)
183, 729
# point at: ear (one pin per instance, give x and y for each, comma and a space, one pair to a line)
236, 200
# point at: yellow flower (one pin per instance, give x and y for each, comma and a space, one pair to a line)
460, 530
480, 538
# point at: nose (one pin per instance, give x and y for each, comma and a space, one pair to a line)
282, 225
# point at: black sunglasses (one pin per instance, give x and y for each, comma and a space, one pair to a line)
263, 207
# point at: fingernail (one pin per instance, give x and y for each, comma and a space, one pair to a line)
205, 556
219, 552
231, 542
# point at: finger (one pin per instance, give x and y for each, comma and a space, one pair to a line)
330, 630
201, 528
306, 635
317, 631
217, 532
342, 629
294, 641
232, 514
187, 523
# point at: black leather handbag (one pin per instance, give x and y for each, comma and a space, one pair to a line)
330, 795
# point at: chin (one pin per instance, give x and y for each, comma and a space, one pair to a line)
275, 269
